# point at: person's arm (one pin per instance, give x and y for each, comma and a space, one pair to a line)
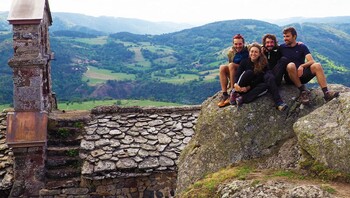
309, 61
230, 55
240, 70
241, 89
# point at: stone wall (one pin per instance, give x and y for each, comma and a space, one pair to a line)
6, 159
125, 152
132, 151
153, 185
133, 141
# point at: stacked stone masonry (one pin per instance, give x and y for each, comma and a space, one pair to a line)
125, 152
129, 142
31, 66
6, 159
154, 185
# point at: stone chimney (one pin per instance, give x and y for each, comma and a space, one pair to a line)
32, 55
33, 98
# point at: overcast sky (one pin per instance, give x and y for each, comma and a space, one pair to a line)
199, 11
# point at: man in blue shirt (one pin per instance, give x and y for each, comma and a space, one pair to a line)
300, 71
236, 54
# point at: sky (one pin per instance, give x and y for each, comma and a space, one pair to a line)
199, 11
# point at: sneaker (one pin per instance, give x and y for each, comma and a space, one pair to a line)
233, 97
239, 101
224, 101
304, 97
281, 106
329, 95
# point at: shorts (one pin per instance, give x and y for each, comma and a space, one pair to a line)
305, 78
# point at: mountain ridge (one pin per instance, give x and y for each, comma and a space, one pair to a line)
108, 24
333, 19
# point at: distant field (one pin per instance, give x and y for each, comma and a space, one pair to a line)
166, 60
95, 76
181, 78
91, 104
161, 50
212, 74
93, 41
139, 59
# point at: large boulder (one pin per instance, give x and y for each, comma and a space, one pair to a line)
325, 134
230, 135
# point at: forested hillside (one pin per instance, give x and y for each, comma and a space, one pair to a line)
176, 67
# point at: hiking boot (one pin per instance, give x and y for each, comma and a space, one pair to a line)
281, 106
233, 97
224, 101
239, 101
304, 97
329, 95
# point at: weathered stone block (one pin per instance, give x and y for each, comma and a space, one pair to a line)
325, 133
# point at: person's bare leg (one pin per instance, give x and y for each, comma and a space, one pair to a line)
317, 70
293, 74
223, 74
232, 69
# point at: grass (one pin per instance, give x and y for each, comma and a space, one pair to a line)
207, 187
4, 106
72, 153
287, 174
95, 75
93, 41
181, 78
166, 60
210, 74
63, 132
91, 104
138, 56
88, 105
328, 189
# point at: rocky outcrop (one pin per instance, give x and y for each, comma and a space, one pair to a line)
325, 134
225, 136
248, 189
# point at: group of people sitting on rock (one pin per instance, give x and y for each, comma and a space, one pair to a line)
252, 71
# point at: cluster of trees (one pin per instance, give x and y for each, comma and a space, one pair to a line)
6, 83
193, 92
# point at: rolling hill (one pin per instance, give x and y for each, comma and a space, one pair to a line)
177, 67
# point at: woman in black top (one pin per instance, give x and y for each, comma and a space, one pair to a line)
249, 80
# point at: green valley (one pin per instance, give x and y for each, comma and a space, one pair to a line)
179, 67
